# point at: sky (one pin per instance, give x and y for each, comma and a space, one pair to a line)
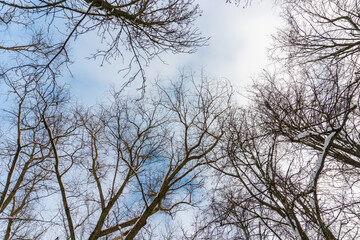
237, 51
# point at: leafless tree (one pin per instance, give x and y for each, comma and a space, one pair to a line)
144, 28
25, 158
104, 172
320, 30
291, 169
293, 154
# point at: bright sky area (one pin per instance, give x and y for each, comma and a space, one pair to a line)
239, 38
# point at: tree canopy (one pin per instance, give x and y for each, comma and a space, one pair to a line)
283, 166
293, 154
142, 28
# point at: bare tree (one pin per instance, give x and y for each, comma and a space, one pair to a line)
291, 169
104, 172
293, 154
320, 30
144, 28
160, 147
25, 155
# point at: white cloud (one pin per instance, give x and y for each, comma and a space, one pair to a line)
236, 51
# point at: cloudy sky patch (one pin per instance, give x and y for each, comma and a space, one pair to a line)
237, 50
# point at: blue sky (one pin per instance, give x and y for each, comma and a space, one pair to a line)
236, 51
